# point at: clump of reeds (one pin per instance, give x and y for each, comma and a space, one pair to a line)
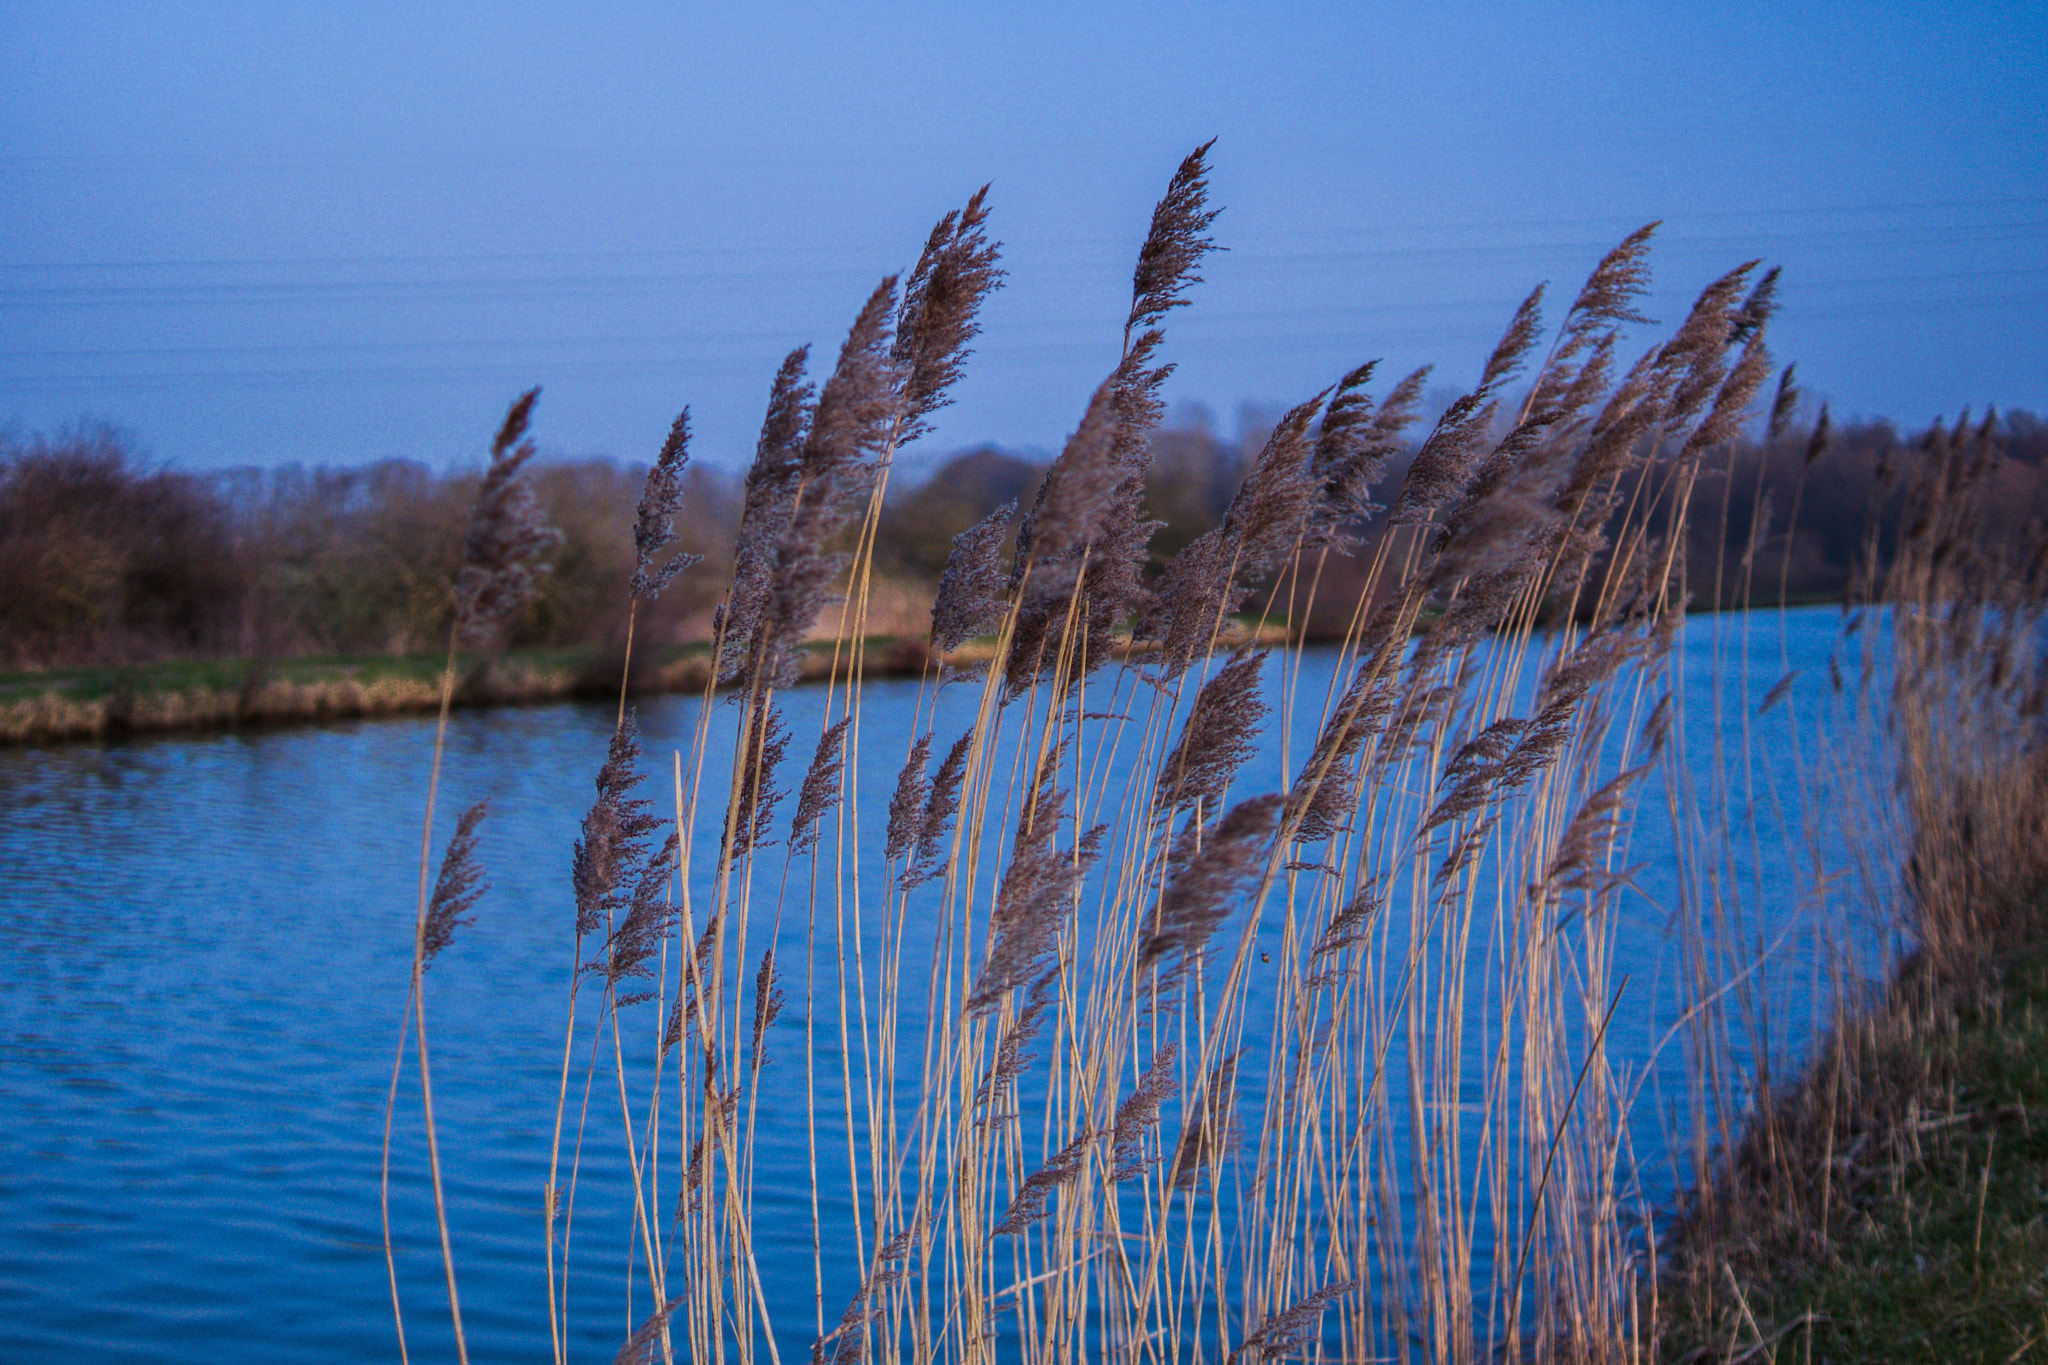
1128, 1059
1943, 671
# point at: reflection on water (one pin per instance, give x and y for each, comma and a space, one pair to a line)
206, 945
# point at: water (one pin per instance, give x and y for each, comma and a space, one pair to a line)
206, 945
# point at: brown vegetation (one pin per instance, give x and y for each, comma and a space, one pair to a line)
104, 559
1192, 1064
1791, 1188
110, 561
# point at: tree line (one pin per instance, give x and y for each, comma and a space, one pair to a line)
107, 559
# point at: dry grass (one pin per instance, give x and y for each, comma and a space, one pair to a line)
1117, 1058
1792, 1190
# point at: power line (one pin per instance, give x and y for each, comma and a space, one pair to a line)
1285, 334
527, 289
1203, 320
1676, 229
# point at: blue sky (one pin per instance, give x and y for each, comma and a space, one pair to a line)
253, 233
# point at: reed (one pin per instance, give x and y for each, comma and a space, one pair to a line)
1104, 1055
504, 553
1937, 827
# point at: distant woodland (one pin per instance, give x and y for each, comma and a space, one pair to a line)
106, 559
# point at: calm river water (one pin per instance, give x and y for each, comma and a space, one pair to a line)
205, 961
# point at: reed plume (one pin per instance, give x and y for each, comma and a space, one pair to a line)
654, 525
648, 923
614, 837
505, 551
1693, 361
1010, 1059
1174, 245
1030, 1203
767, 741
856, 416
941, 308
1199, 895
970, 598
1079, 502
1215, 740
1293, 1328
906, 807
1325, 793
1444, 465
1784, 406
769, 998
820, 789
1605, 303
644, 1346
1138, 1116
1074, 498
1090, 505
1353, 444
457, 889
1264, 523
1031, 906
942, 803
772, 485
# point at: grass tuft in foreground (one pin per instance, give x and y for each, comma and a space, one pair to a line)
1938, 1247
1888, 1204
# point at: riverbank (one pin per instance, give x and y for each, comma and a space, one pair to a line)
95, 704
1932, 1240
1892, 1204
66, 705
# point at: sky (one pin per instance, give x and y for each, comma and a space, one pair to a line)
252, 233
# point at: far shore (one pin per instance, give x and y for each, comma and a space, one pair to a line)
86, 704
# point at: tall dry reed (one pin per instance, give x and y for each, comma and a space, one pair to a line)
1114, 1057
504, 555
1939, 826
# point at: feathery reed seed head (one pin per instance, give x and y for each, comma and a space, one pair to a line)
614, 835
771, 495
906, 807
458, 887
1035, 1194
650, 921
969, 601
1175, 245
941, 804
643, 1346
654, 524
769, 997
1215, 740
940, 311
1037, 889
767, 741
1516, 343
1208, 1129
1138, 1116
505, 550
1784, 406
820, 789
1198, 897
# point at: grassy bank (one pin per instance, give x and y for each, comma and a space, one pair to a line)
1932, 1243
99, 703
1888, 1203
62, 705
